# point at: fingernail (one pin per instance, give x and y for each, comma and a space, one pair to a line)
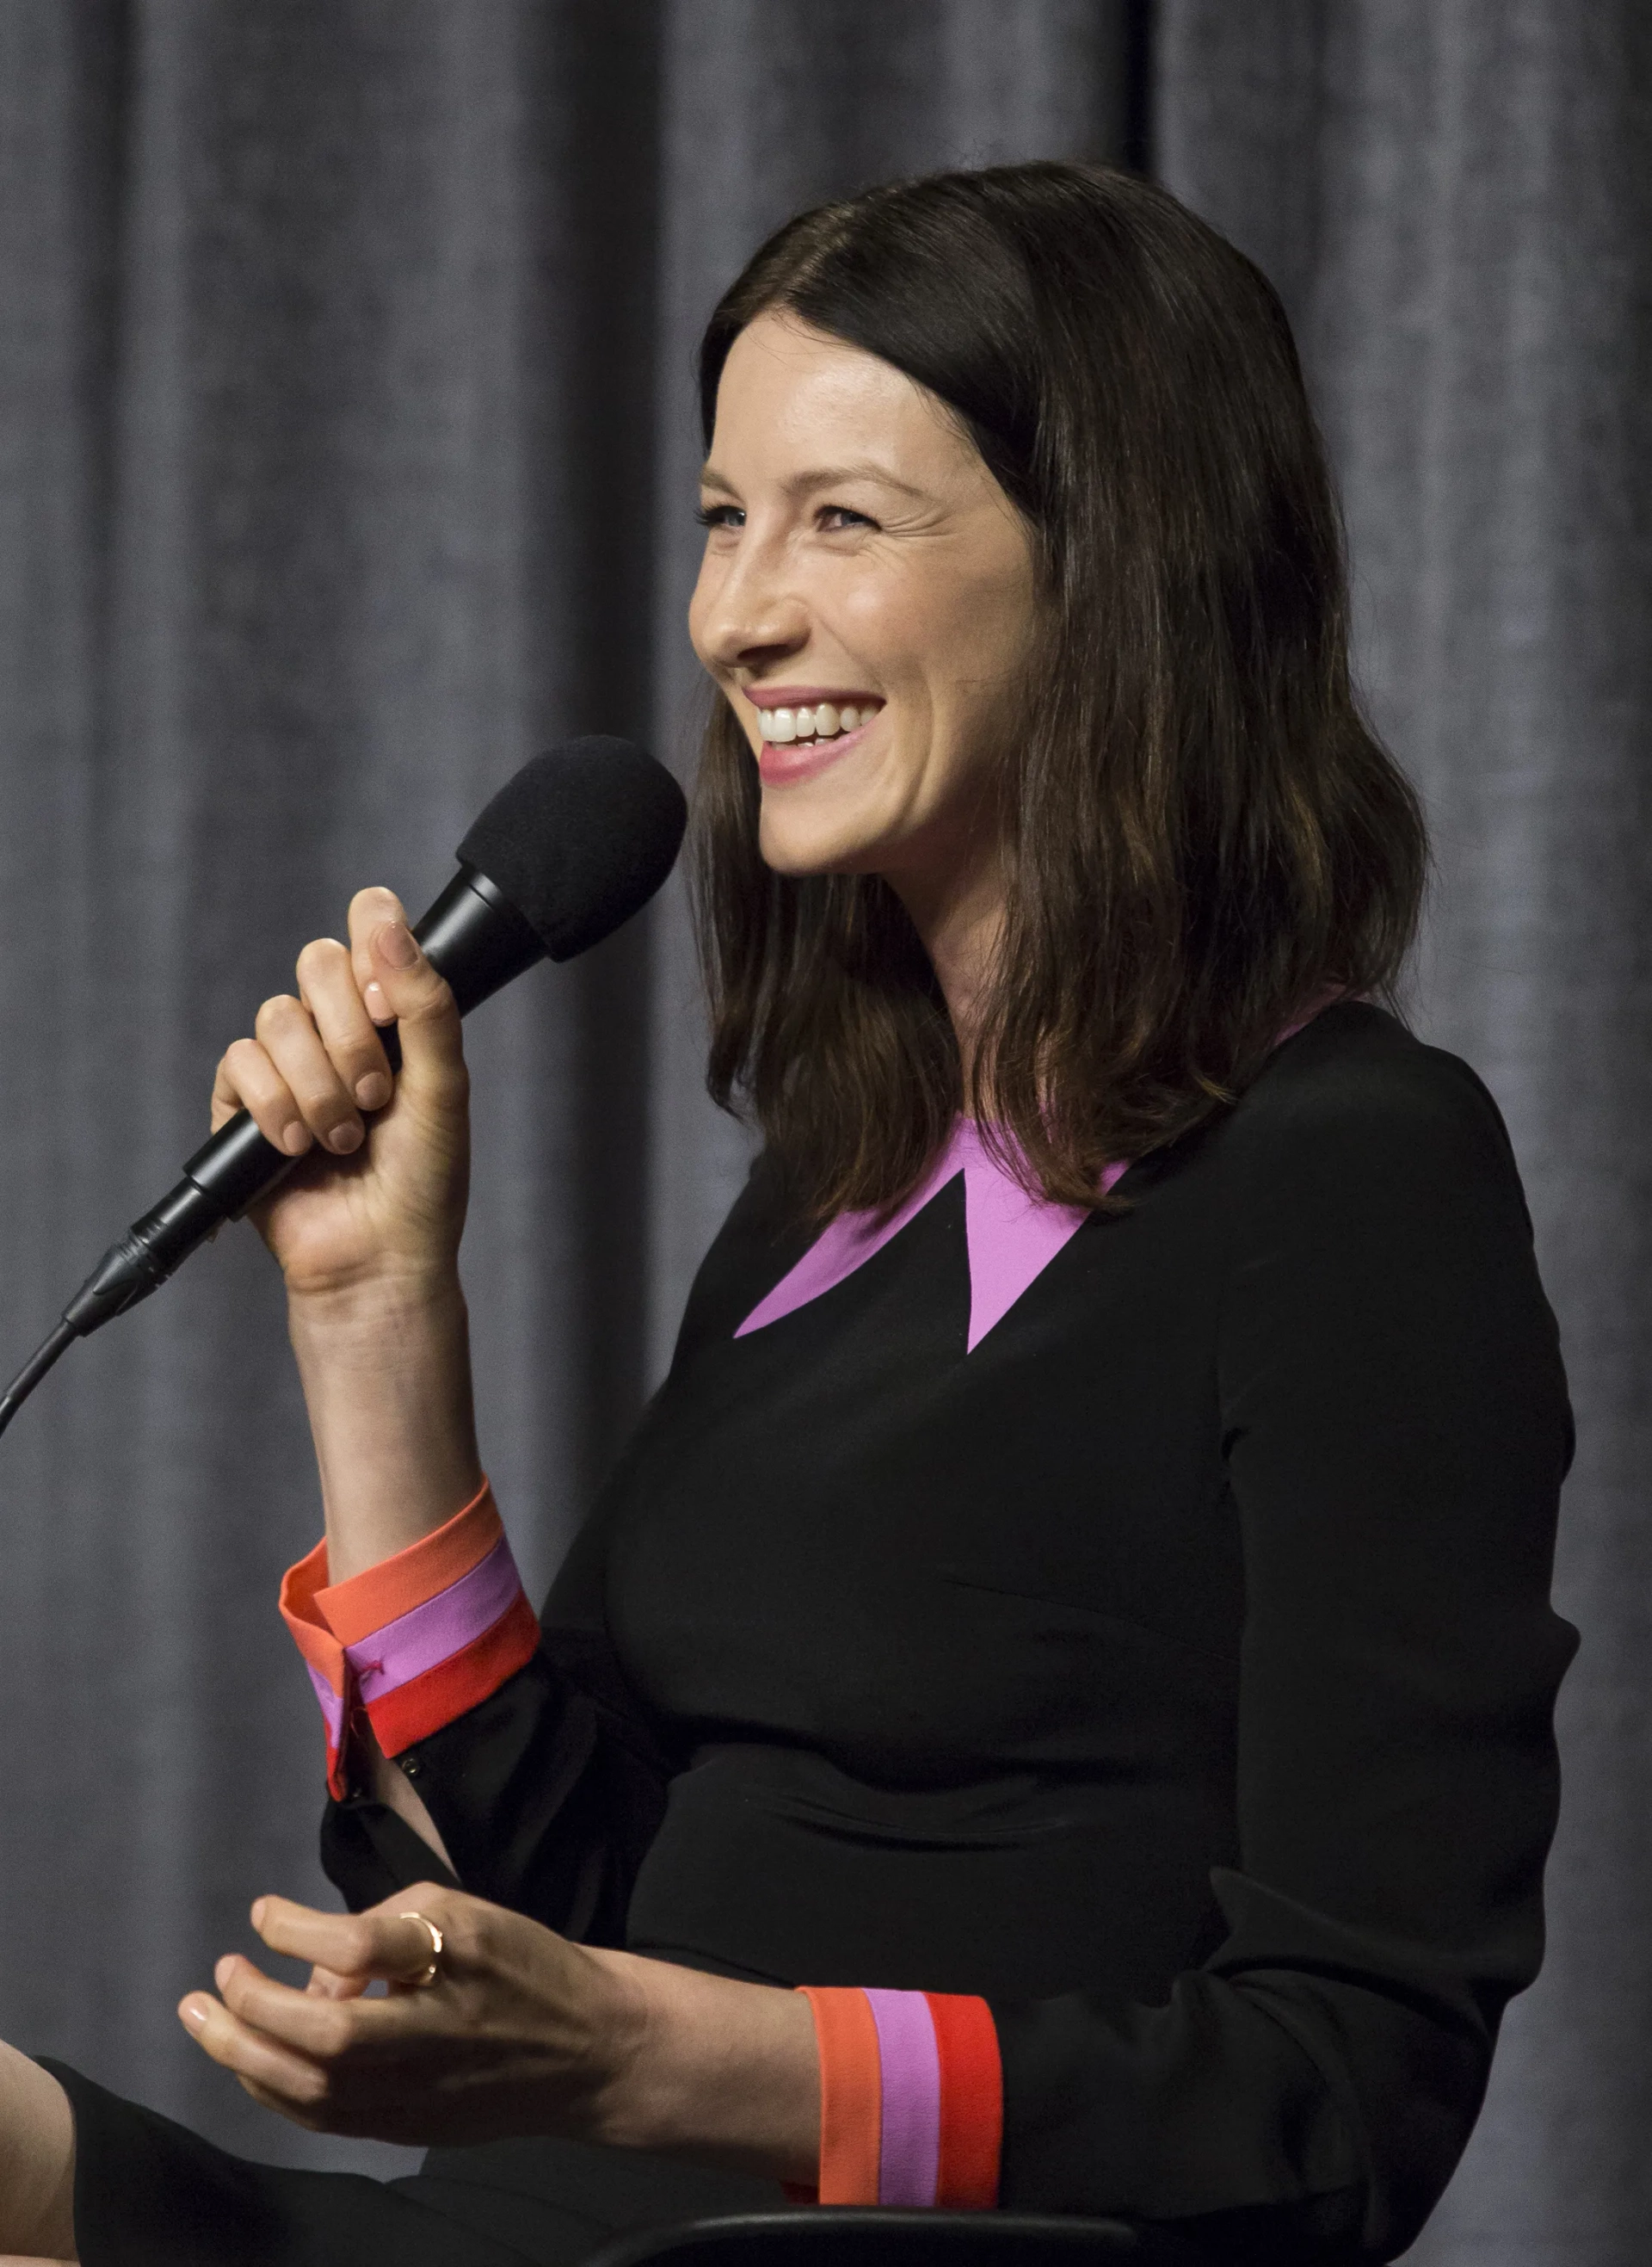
377, 1006
294, 1141
221, 1973
345, 1138
395, 943
372, 1092
193, 2014
257, 1914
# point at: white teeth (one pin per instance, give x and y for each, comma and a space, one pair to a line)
823, 721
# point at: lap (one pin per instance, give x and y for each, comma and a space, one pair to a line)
150, 2193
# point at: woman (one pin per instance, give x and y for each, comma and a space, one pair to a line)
1086, 1626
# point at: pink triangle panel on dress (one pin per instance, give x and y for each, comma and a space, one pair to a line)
1012, 1237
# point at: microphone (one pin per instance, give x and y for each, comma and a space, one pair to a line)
571, 847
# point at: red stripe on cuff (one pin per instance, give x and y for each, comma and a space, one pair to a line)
424, 1704
971, 2101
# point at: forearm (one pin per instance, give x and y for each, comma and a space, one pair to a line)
37, 2162
386, 1377
722, 2073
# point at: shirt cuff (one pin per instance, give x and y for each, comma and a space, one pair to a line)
417, 1641
911, 2099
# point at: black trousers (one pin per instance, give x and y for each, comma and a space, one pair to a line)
150, 2193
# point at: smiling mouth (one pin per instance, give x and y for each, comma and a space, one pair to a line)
824, 720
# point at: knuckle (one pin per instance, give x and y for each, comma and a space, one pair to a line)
278, 1010
320, 955
358, 1948
240, 1056
336, 2030
468, 1931
323, 1104
432, 1000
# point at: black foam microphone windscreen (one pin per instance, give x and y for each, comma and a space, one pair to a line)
578, 839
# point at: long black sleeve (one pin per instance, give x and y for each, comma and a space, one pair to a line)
1394, 1431
546, 1795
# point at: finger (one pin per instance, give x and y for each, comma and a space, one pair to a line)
287, 1033
291, 2078
328, 989
327, 1984
385, 1944
396, 979
321, 2030
369, 910
311, 2118
248, 1080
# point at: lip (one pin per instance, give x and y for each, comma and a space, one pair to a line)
805, 696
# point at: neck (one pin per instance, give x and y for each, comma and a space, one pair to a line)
958, 922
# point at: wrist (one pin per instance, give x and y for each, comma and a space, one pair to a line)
707, 2068
386, 1376
377, 1310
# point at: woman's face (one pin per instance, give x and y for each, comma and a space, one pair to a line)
860, 560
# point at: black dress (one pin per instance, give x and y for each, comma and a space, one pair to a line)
1174, 1668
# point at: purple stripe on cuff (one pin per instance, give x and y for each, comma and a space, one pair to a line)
331, 1708
443, 1626
909, 2163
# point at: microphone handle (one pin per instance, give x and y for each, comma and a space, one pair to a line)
473, 936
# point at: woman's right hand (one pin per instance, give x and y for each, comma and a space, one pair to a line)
379, 1200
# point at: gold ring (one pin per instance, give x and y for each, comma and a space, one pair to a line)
426, 1976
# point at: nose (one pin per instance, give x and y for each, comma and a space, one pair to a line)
750, 616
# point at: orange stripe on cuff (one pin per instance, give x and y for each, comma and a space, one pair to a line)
354, 1609
307, 1625
424, 1704
971, 2101
851, 2095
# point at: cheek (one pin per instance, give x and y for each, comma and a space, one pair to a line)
891, 625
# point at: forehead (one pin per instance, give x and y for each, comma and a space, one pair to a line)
791, 397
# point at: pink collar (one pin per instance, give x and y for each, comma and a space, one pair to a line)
1012, 1237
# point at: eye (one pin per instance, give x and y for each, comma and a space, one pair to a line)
720, 515
838, 520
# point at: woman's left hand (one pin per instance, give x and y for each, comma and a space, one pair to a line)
520, 2032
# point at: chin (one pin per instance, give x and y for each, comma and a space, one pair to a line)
796, 851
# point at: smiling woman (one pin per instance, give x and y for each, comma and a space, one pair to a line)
1054, 1707
1093, 573
901, 587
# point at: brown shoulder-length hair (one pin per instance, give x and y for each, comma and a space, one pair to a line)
1201, 835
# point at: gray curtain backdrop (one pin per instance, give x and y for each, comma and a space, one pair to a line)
346, 456
1456, 200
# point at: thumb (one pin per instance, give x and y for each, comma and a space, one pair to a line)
403, 979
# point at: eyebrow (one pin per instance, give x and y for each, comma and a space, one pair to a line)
826, 476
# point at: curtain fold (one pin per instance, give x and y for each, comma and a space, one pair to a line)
1454, 197
346, 457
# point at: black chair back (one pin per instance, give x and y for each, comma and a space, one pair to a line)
867, 2236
